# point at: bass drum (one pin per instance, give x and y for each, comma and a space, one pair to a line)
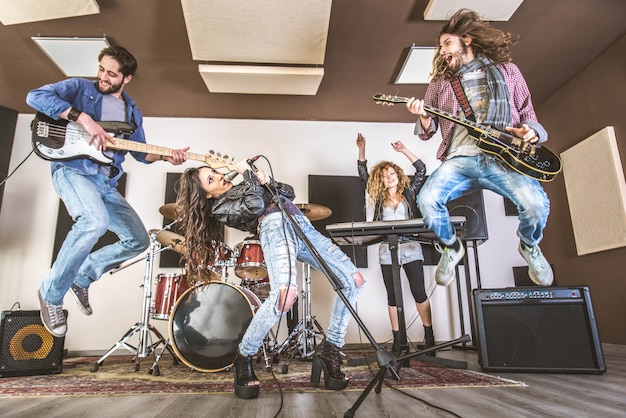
208, 323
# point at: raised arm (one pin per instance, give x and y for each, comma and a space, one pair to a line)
400, 147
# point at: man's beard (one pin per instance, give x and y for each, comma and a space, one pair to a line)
113, 88
459, 60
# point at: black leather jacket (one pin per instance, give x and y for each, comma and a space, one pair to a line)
410, 194
244, 203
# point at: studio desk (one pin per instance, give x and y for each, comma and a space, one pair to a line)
367, 233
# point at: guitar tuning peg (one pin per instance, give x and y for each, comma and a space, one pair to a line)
218, 154
225, 157
211, 152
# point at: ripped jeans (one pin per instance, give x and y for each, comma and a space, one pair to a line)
459, 175
281, 247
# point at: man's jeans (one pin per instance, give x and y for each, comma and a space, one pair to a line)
459, 175
95, 207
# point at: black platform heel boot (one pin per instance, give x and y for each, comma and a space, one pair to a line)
243, 375
327, 357
429, 340
395, 347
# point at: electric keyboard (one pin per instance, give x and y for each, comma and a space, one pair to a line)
367, 233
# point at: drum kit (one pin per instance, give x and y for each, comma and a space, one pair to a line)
207, 321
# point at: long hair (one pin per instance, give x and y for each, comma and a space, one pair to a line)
486, 40
376, 185
201, 230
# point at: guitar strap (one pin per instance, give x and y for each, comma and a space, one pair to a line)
457, 87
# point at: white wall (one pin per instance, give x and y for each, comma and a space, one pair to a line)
295, 150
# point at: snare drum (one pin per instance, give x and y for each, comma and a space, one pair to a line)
223, 259
208, 323
260, 287
169, 288
250, 260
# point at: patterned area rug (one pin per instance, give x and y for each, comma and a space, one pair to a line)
117, 376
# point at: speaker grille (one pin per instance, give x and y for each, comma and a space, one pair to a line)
27, 348
546, 329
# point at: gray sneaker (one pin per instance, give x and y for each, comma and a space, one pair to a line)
81, 296
53, 317
539, 269
449, 259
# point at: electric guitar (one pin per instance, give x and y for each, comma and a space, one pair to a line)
532, 160
60, 140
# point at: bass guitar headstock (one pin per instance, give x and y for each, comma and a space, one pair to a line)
216, 160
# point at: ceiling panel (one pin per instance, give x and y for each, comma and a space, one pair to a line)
20, 11
269, 31
245, 79
489, 9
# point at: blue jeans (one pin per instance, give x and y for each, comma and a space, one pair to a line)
281, 247
459, 175
94, 206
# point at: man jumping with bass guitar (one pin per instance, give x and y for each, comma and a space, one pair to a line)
88, 189
473, 76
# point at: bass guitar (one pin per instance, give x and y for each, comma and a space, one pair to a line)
532, 160
60, 140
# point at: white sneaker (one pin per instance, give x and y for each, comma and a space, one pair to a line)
449, 259
539, 269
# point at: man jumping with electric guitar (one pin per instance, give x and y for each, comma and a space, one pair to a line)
86, 184
473, 77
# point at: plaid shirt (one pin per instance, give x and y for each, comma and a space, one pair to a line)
440, 95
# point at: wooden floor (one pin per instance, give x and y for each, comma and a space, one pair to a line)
545, 395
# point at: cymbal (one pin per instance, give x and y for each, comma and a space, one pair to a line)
169, 211
314, 212
166, 238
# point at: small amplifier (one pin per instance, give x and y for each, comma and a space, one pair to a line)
537, 329
26, 346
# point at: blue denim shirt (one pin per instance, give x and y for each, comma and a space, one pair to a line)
53, 99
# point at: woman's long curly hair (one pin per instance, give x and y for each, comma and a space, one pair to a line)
376, 184
486, 41
202, 232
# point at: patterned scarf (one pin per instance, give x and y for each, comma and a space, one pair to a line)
499, 112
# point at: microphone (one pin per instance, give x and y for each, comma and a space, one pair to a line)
230, 176
251, 162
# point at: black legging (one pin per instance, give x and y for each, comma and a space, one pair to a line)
414, 272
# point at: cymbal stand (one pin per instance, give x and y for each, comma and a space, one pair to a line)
146, 344
303, 339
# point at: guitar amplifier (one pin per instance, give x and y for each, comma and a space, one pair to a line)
537, 329
26, 346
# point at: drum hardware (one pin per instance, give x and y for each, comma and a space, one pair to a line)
301, 342
269, 353
146, 345
170, 239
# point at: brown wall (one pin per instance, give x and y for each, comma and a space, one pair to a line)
595, 98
